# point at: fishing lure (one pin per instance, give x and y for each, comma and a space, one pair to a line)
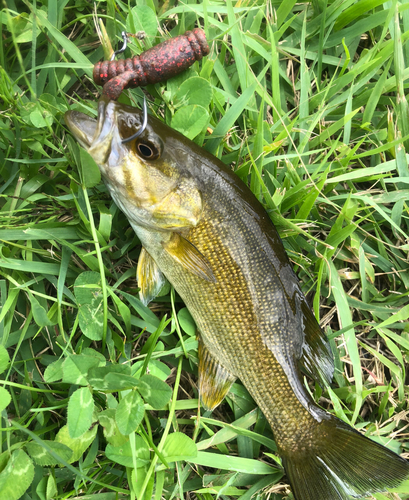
157, 64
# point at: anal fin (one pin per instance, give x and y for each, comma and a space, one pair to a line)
149, 276
214, 380
187, 255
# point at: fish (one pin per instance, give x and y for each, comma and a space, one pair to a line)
202, 229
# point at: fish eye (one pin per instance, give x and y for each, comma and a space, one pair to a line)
147, 150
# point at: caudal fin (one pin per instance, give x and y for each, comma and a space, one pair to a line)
342, 463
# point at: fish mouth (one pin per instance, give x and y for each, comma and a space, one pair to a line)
104, 137
82, 127
95, 135
86, 129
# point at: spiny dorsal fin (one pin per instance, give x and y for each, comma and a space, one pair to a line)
149, 276
187, 255
214, 380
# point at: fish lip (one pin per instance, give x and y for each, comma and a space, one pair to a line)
95, 135
82, 127
106, 120
89, 131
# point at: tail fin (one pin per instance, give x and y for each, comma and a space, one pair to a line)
342, 463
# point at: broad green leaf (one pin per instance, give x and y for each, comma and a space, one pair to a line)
112, 402
155, 392
80, 410
142, 18
5, 398
155, 368
187, 322
40, 314
4, 359
17, 476
87, 287
284, 10
117, 382
54, 371
101, 371
40, 117
379, 496
111, 378
78, 445
129, 413
4, 458
195, 90
123, 454
339, 412
92, 352
42, 457
190, 120
26, 111
75, 368
23, 27
110, 428
52, 490
178, 447
88, 292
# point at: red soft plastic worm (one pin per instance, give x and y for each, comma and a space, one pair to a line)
157, 64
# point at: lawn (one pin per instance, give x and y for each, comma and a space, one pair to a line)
306, 101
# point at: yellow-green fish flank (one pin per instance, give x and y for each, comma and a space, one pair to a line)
204, 230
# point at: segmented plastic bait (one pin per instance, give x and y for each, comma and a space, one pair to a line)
157, 64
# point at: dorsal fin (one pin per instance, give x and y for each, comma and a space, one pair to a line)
316, 356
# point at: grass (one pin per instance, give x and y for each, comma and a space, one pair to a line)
307, 102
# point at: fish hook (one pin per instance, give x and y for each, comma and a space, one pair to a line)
123, 48
144, 123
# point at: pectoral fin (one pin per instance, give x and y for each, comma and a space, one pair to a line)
189, 257
149, 276
214, 380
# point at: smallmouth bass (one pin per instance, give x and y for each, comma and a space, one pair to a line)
203, 229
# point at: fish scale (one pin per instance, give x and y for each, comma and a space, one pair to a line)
233, 331
203, 229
